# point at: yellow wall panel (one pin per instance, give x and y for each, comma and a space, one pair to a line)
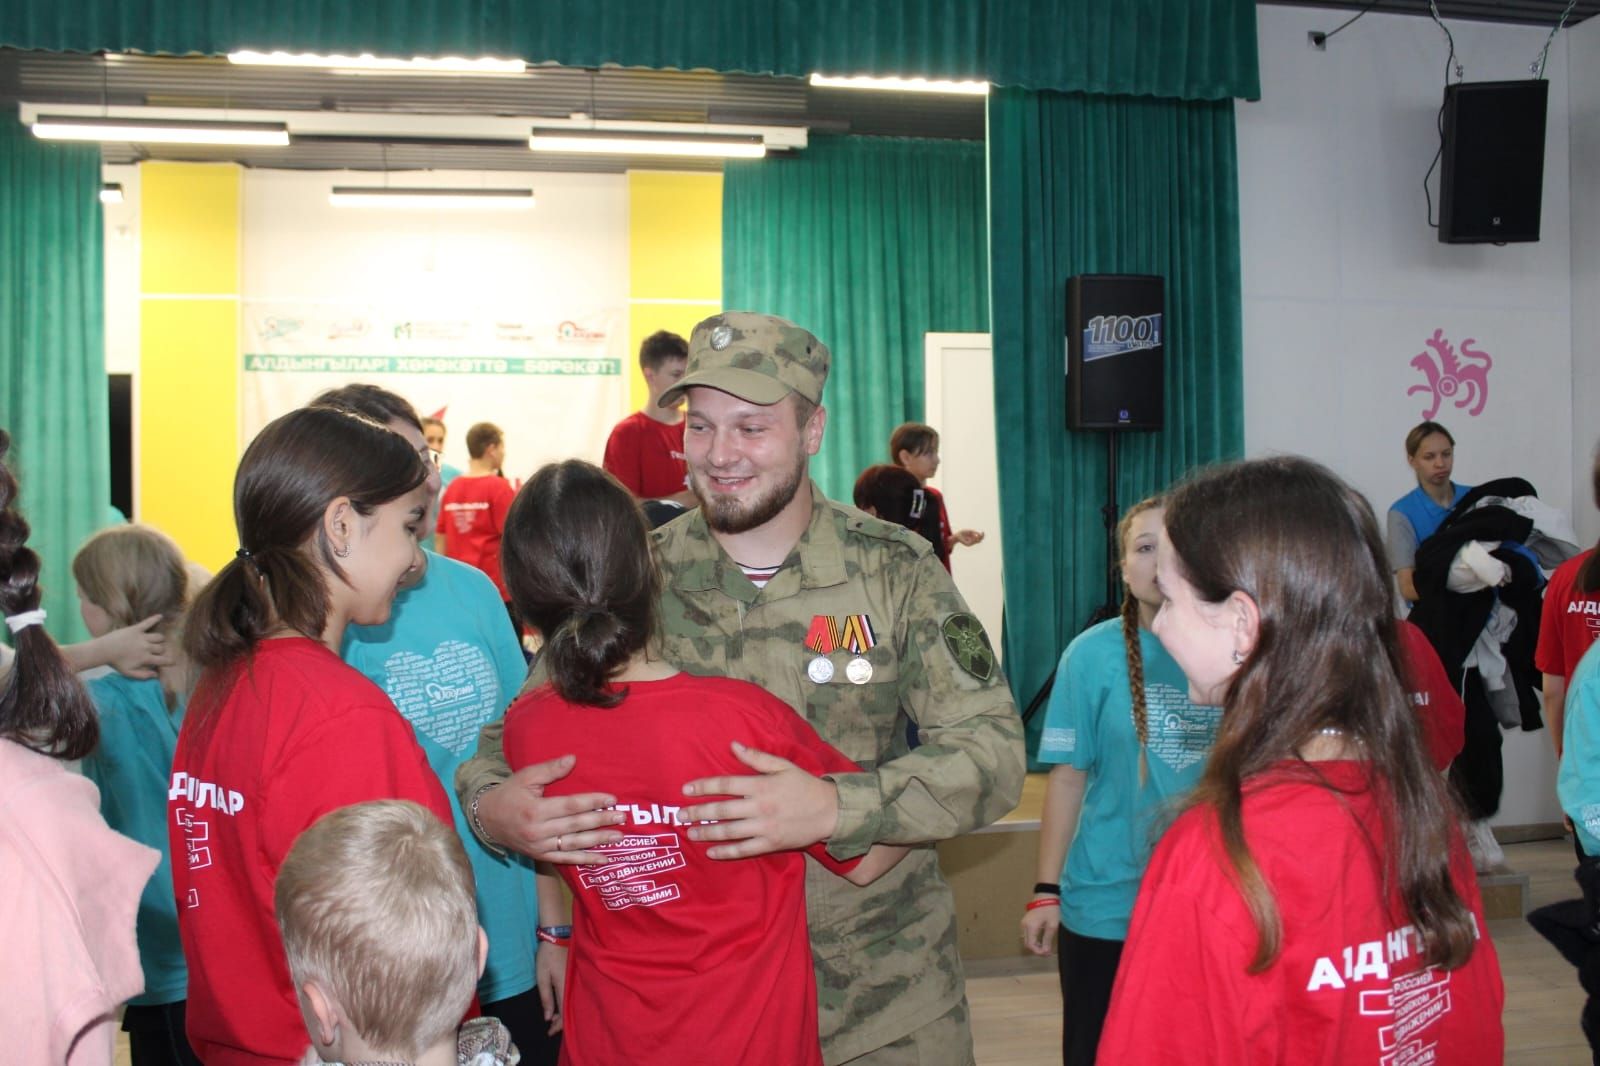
188, 423
674, 235
188, 406
674, 256
189, 219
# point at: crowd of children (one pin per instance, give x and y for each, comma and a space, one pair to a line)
1248, 850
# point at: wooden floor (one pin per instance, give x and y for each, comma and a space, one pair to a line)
1016, 1010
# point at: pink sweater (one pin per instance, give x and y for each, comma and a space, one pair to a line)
66, 914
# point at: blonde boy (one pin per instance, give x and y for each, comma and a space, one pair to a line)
375, 902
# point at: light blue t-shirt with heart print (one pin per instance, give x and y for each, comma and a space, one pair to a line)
451, 663
1089, 724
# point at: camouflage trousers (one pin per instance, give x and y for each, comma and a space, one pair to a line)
945, 1041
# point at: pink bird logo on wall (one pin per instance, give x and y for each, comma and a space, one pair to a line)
1449, 378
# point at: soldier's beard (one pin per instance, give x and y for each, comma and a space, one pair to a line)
725, 514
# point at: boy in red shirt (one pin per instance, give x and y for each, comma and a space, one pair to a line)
472, 511
645, 450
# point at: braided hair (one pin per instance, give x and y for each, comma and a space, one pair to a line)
42, 705
1130, 637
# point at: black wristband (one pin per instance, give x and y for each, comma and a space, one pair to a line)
1045, 888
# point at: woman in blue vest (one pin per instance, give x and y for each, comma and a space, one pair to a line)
1431, 451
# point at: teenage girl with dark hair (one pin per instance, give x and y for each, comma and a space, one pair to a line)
279, 731
1569, 625
1127, 743
126, 573
71, 885
692, 959
1316, 902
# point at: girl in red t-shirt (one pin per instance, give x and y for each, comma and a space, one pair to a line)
1316, 902
1568, 625
675, 957
279, 730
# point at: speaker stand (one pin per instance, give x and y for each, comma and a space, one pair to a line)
1108, 516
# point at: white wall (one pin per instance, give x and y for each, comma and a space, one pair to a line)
122, 271
1344, 281
1583, 46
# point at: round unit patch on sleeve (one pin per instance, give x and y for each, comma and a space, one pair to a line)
969, 645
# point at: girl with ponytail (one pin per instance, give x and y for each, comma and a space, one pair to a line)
279, 730
1127, 744
659, 927
1315, 902
126, 574
71, 885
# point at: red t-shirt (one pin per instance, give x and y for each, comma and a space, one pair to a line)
693, 959
1439, 707
297, 734
1348, 985
472, 516
647, 456
1569, 622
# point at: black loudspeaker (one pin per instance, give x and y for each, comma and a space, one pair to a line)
1493, 155
1115, 326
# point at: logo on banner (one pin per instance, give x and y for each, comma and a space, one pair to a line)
1450, 377
571, 331
1108, 335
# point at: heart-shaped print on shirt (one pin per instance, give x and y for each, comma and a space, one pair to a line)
446, 696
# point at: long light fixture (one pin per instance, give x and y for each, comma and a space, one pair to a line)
367, 63
159, 130
904, 85
426, 198
111, 193
628, 142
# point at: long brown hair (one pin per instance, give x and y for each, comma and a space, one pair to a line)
42, 705
294, 468
576, 559
1589, 573
1130, 635
132, 572
1304, 546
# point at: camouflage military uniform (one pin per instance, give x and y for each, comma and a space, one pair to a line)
885, 955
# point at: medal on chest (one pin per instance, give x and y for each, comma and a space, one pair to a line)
853, 633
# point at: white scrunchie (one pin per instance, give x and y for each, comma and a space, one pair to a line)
23, 619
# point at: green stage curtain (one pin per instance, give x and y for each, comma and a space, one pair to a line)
1090, 184
1193, 49
52, 352
868, 242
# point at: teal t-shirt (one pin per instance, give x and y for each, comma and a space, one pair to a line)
1578, 780
448, 659
132, 767
1089, 724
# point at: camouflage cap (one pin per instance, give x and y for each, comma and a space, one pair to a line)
759, 358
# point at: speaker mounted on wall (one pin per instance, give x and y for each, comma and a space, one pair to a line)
1115, 351
1493, 161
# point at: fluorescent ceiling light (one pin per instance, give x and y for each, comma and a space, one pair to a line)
366, 63
458, 199
904, 85
111, 193
626, 142
159, 130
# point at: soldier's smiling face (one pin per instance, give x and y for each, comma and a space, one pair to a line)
746, 461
